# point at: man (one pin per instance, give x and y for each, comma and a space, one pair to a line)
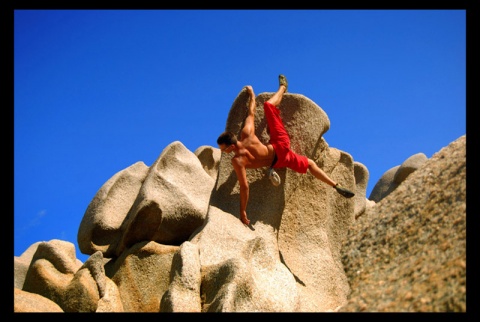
250, 153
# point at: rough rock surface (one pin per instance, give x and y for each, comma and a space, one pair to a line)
408, 253
298, 226
167, 238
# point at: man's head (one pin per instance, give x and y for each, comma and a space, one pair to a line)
225, 140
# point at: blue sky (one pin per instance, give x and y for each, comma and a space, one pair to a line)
96, 91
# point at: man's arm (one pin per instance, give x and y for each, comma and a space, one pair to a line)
244, 189
249, 127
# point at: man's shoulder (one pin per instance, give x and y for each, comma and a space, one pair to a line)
238, 162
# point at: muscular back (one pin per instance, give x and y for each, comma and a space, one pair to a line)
252, 153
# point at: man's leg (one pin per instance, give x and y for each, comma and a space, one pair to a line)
282, 89
321, 175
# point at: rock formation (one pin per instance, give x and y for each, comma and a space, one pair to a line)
408, 252
167, 238
393, 177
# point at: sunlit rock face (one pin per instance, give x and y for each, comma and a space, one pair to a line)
168, 238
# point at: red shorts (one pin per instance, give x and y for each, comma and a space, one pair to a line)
280, 141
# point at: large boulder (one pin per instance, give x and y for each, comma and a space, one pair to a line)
296, 229
101, 225
408, 253
171, 203
393, 177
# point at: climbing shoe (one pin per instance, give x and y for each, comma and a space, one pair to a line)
283, 81
344, 192
274, 177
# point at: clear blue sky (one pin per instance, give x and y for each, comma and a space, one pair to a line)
97, 90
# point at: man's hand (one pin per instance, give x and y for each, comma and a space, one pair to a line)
250, 91
244, 219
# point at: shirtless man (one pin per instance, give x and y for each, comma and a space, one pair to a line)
250, 153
